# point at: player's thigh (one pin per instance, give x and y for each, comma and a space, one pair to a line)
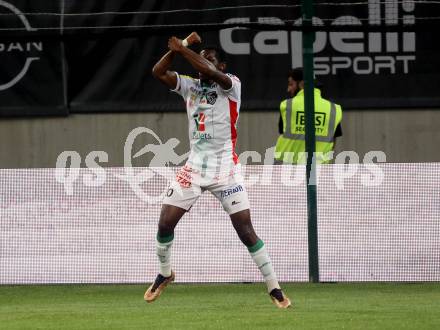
177, 201
182, 197
232, 195
169, 217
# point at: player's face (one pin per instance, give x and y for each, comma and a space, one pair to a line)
292, 87
210, 56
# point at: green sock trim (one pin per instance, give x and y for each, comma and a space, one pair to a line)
256, 247
164, 239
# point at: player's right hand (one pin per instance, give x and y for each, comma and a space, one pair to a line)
193, 38
174, 44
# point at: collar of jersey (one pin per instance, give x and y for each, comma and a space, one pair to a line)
206, 84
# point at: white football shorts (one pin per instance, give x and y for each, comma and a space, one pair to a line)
189, 185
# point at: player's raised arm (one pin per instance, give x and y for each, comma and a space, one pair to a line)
208, 67
161, 69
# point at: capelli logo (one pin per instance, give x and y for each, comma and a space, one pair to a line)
363, 53
27, 50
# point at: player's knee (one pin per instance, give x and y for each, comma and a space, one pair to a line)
248, 236
165, 229
166, 225
169, 218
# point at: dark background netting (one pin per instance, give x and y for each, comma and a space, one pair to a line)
368, 54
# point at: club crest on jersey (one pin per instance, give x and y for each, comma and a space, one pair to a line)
208, 97
211, 97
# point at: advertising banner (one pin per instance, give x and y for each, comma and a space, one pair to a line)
97, 56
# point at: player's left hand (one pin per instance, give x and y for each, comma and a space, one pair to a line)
193, 38
175, 44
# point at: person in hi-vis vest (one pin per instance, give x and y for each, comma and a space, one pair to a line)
290, 147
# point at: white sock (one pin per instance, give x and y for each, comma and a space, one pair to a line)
163, 252
262, 260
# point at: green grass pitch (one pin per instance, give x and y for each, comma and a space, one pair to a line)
227, 306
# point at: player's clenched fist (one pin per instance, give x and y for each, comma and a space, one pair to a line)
175, 44
193, 38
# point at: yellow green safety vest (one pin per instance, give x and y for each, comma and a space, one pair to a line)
290, 147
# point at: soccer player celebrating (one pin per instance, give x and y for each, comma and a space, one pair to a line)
212, 103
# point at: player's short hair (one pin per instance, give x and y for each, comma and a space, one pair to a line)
296, 74
219, 53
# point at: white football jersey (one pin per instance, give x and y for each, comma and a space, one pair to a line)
213, 117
